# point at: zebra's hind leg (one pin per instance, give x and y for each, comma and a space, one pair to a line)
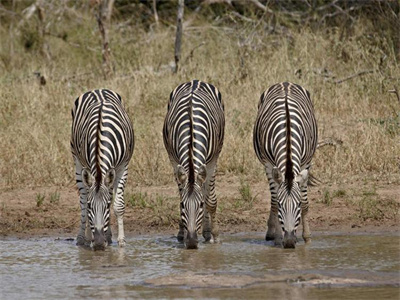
119, 205
273, 232
210, 216
270, 236
306, 227
214, 226
207, 227
304, 216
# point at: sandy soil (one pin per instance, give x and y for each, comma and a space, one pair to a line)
354, 207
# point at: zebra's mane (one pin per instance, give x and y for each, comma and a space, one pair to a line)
190, 145
191, 176
97, 153
289, 175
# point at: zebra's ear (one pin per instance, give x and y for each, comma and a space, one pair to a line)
302, 177
277, 175
180, 174
87, 177
110, 178
202, 174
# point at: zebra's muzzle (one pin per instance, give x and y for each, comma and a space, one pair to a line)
99, 242
289, 239
191, 240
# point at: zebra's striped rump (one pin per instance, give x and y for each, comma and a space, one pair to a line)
102, 143
193, 136
285, 139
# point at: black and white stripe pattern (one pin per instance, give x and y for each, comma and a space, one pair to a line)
285, 139
102, 143
193, 136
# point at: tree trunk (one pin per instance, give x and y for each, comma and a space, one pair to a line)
178, 40
104, 12
44, 47
155, 11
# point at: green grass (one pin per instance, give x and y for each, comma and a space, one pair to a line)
327, 198
39, 199
137, 199
55, 197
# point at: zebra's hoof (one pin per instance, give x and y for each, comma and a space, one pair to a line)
216, 240
121, 243
269, 238
207, 236
80, 241
180, 237
307, 240
278, 243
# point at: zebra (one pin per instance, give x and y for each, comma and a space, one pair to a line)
102, 143
285, 139
193, 134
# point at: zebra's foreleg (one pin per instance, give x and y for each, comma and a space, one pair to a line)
119, 206
181, 233
277, 226
304, 216
84, 237
273, 221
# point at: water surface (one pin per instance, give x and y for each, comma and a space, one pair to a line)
243, 266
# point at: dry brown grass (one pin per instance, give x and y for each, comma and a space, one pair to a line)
242, 61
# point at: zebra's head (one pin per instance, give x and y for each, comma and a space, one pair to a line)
192, 203
289, 204
99, 199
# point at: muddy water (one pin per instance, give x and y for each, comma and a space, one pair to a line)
244, 266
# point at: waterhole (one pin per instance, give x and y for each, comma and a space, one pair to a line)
243, 266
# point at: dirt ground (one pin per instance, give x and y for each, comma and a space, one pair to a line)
241, 208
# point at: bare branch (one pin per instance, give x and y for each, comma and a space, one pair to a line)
236, 14
109, 10
190, 56
155, 11
329, 141
261, 6
323, 7
353, 76
396, 92
27, 14
323, 72
10, 12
